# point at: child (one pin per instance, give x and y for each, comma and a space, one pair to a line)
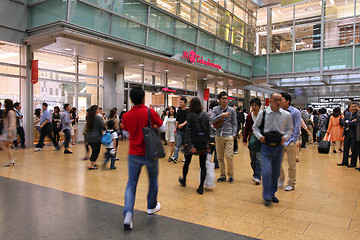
111, 148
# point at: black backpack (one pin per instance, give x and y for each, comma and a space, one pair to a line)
200, 133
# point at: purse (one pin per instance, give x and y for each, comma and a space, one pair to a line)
273, 139
153, 146
218, 124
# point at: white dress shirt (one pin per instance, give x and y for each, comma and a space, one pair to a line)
279, 121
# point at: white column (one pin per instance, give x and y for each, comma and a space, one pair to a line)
201, 85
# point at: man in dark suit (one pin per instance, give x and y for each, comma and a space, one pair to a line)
349, 122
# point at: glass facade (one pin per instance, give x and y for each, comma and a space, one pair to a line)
307, 36
167, 26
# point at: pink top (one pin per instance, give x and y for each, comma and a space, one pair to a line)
9, 122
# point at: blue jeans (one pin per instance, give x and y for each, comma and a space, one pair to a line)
256, 163
271, 167
135, 164
108, 156
179, 142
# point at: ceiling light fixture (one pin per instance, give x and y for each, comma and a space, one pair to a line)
109, 58
188, 75
68, 49
141, 65
167, 70
204, 79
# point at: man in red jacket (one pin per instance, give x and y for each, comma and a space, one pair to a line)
133, 122
255, 157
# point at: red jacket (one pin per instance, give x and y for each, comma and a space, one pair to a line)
248, 127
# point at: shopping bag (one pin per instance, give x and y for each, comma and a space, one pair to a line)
210, 173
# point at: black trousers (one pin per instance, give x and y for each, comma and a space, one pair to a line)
56, 132
350, 142
46, 131
202, 159
95, 150
21, 133
304, 137
67, 133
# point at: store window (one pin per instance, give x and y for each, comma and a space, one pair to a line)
132, 74
10, 88
281, 33
339, 32
176, 82
208, 23
153, 78
210, 8
239, 12
252, 8
87, 67
9, 53
133, 9
335, 9
191, 84
55, 62
162, 21
88, 96
307, 36
168, 5
185, 31
193, 3
189, 14
308, 11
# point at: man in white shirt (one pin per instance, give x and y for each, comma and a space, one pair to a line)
278, 127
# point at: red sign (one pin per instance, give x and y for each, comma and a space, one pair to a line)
206, 94
34, 71
267, 102
192, 57
168, 90
230, 98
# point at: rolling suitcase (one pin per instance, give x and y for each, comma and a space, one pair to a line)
324, 146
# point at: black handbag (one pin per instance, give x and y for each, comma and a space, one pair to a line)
153, 145
273, 138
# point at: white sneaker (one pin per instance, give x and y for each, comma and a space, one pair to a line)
281, 184
128, 222
236, 152
257, 181
183, 160
154, 210
38, 149
289, 188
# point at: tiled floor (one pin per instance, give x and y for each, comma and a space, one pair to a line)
323, 206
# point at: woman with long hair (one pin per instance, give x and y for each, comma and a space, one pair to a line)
94, 127
37, 116
56, 126
335, 129
9, 132
170, 121
74, 125
197, 137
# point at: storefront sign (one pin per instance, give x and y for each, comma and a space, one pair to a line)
338, 100
193, 58
34, 71
168, 90
291, 2
206, 94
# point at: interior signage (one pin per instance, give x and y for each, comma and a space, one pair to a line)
168, 90
338, 100
193, 58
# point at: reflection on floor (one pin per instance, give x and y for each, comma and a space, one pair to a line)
30, 211
323, 206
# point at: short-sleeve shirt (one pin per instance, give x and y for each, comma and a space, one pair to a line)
134, 121
181, 116
46, 115
114, 135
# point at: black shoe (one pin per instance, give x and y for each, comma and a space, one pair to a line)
267, 203
340, 150
57, 148
231, 180
334, 151
358, 168
217, 167
200, 191
221, 179
275, 200
182, 181
67, 152
341, 164
112, 168
351, 166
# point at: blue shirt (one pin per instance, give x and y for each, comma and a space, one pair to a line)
46, 115
66, 121
296, 119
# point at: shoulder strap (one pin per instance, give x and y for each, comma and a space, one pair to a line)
149, 121
262, 126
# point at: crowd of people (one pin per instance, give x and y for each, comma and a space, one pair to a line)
268, 134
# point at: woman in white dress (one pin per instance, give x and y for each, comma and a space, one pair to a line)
9, 131
170, 120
